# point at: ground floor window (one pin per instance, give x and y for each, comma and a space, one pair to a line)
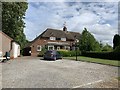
50, 47
58, 48
67, 47
39, 48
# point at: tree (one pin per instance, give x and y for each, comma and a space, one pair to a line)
117, 49
88, 42
107, 48
12, 20
116, 41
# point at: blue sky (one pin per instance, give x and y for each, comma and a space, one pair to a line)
100, 18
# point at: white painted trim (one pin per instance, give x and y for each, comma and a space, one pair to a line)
52, 38
51, 46
63, 39
39, 47
58, 47
59, 43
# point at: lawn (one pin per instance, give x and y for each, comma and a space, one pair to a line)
95, 60
118, 78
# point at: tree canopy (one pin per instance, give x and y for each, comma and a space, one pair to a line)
116, 41
88, 42
107, 48
13, 25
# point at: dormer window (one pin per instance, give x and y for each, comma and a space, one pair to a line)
52, 38
63, 39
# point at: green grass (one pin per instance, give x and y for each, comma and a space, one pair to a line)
118, 78
96, 60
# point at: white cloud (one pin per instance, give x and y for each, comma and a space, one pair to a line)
104, 33
71, 0
99, 18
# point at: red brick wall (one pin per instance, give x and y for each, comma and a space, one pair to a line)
42, 42
5, 43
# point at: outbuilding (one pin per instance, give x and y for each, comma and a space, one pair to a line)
7, 44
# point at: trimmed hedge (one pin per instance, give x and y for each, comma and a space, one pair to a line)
64, 53
69, 53
102, 55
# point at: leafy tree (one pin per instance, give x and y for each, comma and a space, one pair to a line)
107, 48
117, 49
88, 42
116, 41
12, 20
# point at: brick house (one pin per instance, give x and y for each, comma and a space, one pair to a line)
7, 44
52, 39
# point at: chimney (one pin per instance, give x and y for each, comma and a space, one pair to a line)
64, 28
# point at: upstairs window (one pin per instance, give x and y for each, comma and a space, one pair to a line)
52, 38
58, 38
63, 39
77, 40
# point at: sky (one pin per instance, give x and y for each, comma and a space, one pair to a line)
100, 18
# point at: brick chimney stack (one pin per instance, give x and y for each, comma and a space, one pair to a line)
64, 27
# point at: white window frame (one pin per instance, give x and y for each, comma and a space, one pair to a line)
67, 47
63, 39
77, 40
52, 38
58, 47
50, 46
40, 47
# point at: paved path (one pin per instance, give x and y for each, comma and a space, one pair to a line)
30, 72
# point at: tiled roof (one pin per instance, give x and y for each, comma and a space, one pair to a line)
60, 34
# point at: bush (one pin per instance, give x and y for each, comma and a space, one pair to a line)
64, 53
117, 49
103, 55
41, 53
69, 53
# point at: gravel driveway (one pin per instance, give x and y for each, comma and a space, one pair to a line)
31, 72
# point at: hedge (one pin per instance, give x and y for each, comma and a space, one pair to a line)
102, 55
69, 53
41, 53
64, 53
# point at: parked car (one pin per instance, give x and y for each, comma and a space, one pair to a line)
52, 55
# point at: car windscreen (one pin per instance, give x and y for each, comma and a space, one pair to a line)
49, 52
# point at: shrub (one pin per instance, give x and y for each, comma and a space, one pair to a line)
103, 55
41, 53
69, 53
64, 53
117, 49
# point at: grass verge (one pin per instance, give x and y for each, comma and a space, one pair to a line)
118, 78
95, 60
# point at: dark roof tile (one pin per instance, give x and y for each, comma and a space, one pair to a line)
60, 34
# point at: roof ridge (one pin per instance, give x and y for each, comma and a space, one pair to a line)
53, 29
74, 32
60, 30
6, 35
